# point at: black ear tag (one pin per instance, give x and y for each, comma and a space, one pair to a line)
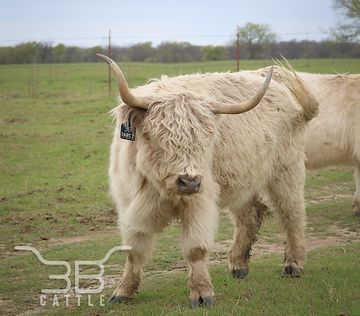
127, 131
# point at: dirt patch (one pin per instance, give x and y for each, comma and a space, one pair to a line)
47, 243
15, 121
328, 197
76, 239
21, 195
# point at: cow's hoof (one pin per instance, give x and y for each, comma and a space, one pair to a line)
292, 271
357, 213
119, 299
195, 303
240, 273
207, 301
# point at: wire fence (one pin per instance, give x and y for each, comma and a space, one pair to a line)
57, 77
87, 81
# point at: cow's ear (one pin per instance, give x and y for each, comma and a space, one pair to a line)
130, 113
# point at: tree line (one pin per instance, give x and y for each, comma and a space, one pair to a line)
174, 52
257, 42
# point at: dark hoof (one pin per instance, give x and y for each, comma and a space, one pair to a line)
119, 299
240, 273
357, 213
292, 271
207, 301
195, 303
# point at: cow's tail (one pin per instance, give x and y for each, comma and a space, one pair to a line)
305, 97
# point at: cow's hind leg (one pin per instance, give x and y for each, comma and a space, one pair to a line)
287, 192
247, 222
141, 248
199, 227
356, 203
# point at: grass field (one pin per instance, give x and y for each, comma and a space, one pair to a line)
55, 134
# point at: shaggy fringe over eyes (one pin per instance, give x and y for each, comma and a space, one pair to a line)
180, 120
182, 127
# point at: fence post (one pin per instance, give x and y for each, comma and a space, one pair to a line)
237, 51
109, 70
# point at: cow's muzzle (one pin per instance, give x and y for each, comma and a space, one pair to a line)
188, 185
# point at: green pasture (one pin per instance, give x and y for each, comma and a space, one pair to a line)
55, 133
64, 81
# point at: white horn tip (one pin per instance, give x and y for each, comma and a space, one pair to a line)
104, 57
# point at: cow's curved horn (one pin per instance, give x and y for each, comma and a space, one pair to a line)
125, 94
237, 108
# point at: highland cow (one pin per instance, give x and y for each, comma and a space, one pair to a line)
187, 146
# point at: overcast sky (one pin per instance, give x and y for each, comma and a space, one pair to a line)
86, 22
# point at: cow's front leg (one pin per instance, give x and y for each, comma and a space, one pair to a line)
356, 203
199, 227
141, 244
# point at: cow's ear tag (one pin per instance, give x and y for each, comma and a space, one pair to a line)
127, 131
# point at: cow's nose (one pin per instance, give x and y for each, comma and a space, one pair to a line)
188, 184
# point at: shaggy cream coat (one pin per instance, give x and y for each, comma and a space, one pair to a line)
239, 157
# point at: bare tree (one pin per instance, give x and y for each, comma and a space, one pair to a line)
348, 28
255, 37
